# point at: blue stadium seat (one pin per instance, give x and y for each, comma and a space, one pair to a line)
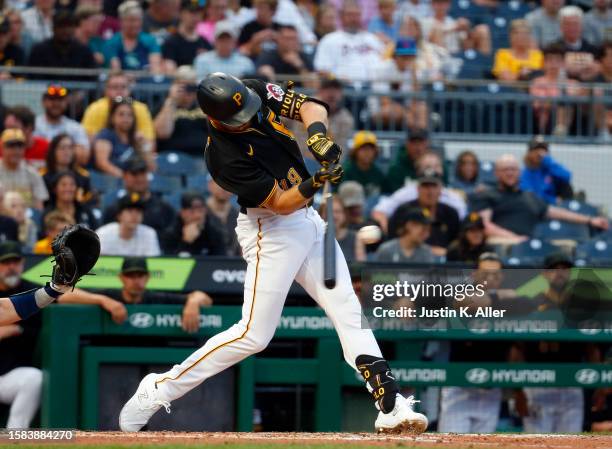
532, 251
173, 199
579, 207
474, 65
198, 182
102, 182
176, 163
498, 26
164, 183
595, 251
558, 230
487, 172
513, 9
469, 10
111, 197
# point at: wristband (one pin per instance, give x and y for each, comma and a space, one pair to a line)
316, 128
309, 187
30, 302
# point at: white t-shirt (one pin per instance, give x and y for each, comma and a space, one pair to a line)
352, 57
66, 125
143, 243
452, 39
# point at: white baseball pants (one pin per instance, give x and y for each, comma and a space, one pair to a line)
278, 249
21, 389
469, 410
554, 410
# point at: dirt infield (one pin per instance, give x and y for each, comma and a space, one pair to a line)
273, 440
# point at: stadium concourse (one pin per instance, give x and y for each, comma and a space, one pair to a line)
477, 134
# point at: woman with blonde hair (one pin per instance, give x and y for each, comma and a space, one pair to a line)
14, 206
522, 58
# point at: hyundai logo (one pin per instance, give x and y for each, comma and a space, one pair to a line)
142, 320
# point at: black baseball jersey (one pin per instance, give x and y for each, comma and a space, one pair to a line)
253, 163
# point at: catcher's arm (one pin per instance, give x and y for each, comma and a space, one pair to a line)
76, 250
8, 314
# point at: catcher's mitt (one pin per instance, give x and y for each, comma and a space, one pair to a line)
76, 250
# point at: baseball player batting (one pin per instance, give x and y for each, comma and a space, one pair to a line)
251, 154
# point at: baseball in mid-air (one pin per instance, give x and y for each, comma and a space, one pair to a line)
369, 234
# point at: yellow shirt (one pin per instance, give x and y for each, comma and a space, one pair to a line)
43, 246
505, 60
96, 116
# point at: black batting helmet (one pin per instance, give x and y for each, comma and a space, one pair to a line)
226, 99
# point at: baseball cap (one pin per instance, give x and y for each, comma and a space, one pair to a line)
430, 177
472, 220
64, 19
134, 265
489, 255
10, 250
225, 27
55, 91
416, 214
193, 5
538, 142
12, 135
362, 138
135, 165
189, 198
352, 194
557, 259
130, 201
405, 47
417, 134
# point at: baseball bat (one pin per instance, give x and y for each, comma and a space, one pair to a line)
329, 244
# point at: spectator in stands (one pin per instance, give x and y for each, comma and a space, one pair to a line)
403, 168
388, 205
475, 410
553, 410
419, 9
53, 122
352, 53
543, 175
260, 33
410, 244
603, 113
353, 198
580, 55
385, 25
158, 214
455, 34
88, 25
53, 224
8, 225
15, 207
131, 48
161, 19
195, 231
180, 124
20, 382
62, 50
10, 54
62, 157
399, 75
361, 166
287, 58
22, 117
96, 114
64, 199
511, 213
520, 60
16, 174
544, 22
325, 21
553, 84
225, 57
598, 23
431, 58
38, 20
119, 141
218, 204
216, 11
127, 236
467, 171
444, 220
352, 247
134, 277
17, 36
182, 46
471, 242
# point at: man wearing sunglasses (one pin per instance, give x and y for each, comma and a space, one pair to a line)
180, 124
53, 121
